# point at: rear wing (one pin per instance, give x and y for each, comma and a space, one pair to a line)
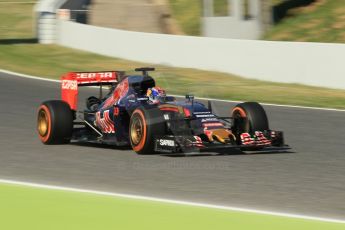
72, 80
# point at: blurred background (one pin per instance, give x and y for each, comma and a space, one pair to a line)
30, 42
284, 20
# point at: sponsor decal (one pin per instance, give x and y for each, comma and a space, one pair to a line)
105, 123
169, 109
208, 119
120, 91
212, 124
166, 117
208, 112
164, 142
143, 98
69, 84
102, 75
205, 115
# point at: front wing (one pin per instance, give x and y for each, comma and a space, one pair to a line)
187, 144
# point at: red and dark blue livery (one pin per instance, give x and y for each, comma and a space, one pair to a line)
137, 113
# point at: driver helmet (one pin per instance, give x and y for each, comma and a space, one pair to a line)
155, 94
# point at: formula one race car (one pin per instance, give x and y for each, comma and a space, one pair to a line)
137, 113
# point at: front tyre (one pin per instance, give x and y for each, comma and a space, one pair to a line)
145, 124
249, 117
54, 122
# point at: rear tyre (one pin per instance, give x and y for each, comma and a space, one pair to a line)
55, 122
145, 124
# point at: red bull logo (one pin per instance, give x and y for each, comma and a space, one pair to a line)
105, 123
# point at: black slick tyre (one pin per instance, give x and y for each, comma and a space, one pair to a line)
54, 122
255, 118
248, 118
145, 124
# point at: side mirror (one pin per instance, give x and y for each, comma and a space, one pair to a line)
190, 97
209, 105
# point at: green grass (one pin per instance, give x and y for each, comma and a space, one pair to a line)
187, 14
52, 61
16, 20
33, 208
323, 21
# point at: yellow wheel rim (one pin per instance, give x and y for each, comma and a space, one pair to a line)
43, 123
137, 130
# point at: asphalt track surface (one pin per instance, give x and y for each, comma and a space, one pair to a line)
308, 180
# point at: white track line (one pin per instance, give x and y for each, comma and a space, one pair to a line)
27, 76
201, 98
169, 201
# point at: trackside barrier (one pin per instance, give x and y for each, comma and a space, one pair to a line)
316, 64
45, 16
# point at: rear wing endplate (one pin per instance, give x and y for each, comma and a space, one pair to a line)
72, 80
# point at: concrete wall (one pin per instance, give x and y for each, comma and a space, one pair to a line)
314, 64
229, 27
